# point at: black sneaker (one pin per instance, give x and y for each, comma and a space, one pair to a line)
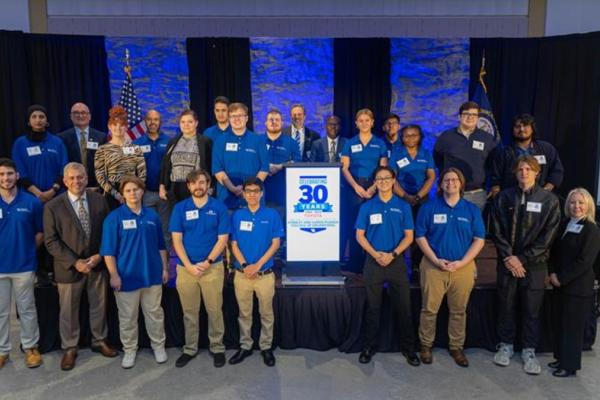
183, 360
366, 355
218, 359
411, 358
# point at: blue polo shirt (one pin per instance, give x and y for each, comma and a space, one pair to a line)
469, 155
281, 150
153, 150
134, 240
384, 223
449, 230
364, 159
254, 233
214, 132
20, 221
40, 162
200, 227
390, 146
411, 173
240, 157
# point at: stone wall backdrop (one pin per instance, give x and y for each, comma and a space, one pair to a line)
159, 75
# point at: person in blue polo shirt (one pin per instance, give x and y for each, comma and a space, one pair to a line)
40, 156
154, 146
415, 173
450, 232
200, 229
21, 230
469, 149
237, 156
221, 105
361, 155
282, 149
256, 232
384, 229
134, 251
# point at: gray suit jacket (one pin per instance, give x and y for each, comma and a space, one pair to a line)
65, 239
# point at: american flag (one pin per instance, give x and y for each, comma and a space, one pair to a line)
129, 102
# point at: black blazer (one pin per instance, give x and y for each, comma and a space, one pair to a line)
309, 137
64, 236
69, 138
204, 150
320, 149
573, 257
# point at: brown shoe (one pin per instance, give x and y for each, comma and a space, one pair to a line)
68, 360
3, 360
105, 350
459, 357
426, 355
33, 358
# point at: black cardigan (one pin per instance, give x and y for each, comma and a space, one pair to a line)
573, 259
204, 150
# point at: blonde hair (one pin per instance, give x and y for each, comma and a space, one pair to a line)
589, 200
364, 111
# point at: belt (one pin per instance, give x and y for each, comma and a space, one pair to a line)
260, 273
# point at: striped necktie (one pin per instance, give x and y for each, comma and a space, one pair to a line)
84, 218
83, 148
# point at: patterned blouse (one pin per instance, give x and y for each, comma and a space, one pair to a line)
113, 162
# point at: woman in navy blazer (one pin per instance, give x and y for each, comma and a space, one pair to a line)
572, 274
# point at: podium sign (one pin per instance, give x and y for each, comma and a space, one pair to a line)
312, 212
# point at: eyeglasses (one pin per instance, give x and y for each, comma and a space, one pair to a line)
384, 179
252, 191
237, 116
469, 115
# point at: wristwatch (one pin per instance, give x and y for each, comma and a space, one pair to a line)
210, 261
56, 187
244, 265
417, 197
395, 254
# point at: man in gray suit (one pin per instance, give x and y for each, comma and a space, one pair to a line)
303, 135
72, 233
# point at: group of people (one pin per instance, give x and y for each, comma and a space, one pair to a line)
111, 211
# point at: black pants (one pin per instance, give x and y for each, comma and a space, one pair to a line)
572, 314
526, 293
395, 275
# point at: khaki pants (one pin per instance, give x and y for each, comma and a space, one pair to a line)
192, 291
95, 284
457, 286
129, 304
264, 287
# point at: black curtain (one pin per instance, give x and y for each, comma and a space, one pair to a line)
361, 79
218, 67
54, 71
556, 79
14, 88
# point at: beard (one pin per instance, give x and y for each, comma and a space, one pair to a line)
198, 193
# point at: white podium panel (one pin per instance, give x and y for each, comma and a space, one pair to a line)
313, 212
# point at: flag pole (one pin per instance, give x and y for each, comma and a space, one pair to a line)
482, 72
127, 67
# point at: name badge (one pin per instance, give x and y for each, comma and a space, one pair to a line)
92, 145
477, 145
534, 206
1, 214
190, 215
128, 150
34, 151
403, 163
440, 218
355, 148
540, 159
146, 148
375, 219
129, 224
231, 147
573, 228
246, 226
268, 146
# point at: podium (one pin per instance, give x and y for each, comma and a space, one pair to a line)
313, 214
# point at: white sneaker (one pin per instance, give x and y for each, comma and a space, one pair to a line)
504, 354
531, 365
160, 355
128, 360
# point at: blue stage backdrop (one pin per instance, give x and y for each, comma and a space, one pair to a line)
430, 80
159, 74
288, 71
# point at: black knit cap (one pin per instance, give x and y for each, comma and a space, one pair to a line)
34, 108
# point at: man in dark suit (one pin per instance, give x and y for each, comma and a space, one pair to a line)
328, 149
72, 233
303, 135
82, 140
